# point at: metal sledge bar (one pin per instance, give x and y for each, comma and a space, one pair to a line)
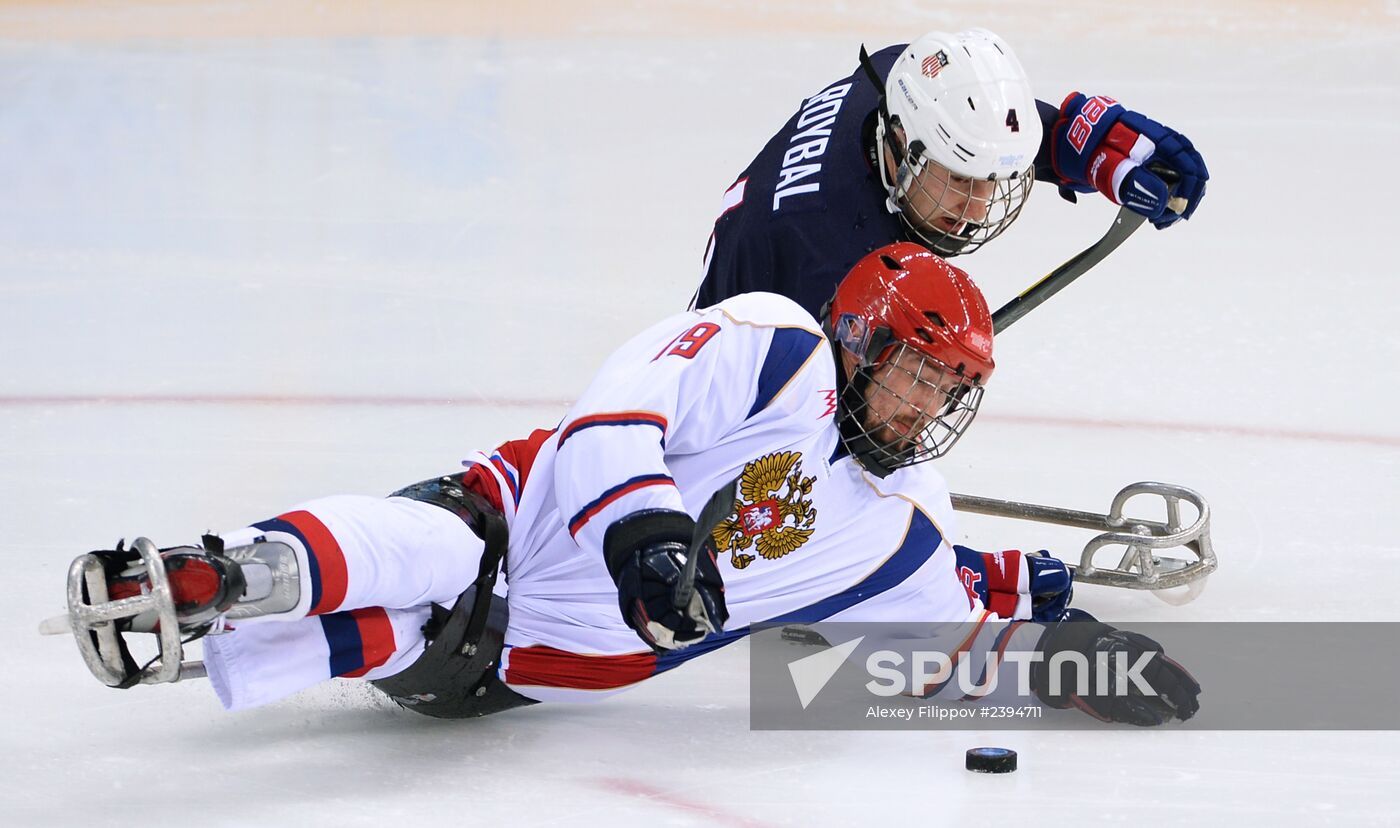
1138, 568
91, 618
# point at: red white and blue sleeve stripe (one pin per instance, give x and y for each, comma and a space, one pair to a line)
615, 494
624, 457
614, 419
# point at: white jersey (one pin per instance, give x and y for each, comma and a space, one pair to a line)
745, 389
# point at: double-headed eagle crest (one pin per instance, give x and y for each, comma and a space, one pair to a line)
773, 514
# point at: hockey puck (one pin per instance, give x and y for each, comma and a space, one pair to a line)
991, 760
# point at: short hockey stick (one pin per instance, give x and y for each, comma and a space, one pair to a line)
716, 509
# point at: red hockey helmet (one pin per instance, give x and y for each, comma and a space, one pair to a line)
919, 336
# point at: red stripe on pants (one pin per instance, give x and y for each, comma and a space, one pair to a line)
376, 638
330, 560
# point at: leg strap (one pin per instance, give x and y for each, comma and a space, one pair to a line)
456, 675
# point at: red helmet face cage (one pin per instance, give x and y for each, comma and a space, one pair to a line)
920, 335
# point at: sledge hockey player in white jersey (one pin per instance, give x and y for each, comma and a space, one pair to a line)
800, 446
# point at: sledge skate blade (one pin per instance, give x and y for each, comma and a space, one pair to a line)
57, 625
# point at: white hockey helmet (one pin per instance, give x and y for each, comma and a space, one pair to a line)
961, 124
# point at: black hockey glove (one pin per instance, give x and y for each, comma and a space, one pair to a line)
1158, 692
646, 554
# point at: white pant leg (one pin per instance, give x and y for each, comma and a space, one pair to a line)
357, 551
261, 663
358, 556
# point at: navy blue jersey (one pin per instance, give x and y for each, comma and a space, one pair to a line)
812, 203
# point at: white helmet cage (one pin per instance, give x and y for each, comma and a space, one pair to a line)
960, 121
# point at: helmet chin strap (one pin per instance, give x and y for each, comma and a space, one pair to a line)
884, 133
874, 76
850, 394
854, 435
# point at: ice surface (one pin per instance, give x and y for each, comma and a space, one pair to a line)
238, 271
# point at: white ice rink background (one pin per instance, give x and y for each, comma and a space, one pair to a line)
255, 252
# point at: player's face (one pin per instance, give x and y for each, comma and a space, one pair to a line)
905, 396
947, 203
937, 200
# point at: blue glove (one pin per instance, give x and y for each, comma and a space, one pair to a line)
1099, 145
1017, 586
645, 554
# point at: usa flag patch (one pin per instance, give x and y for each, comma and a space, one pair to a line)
934, 63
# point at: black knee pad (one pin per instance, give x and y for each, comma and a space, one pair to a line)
456, 678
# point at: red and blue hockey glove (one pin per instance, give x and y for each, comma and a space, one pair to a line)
1156, 688
646, 554
1015, 585
1099, 145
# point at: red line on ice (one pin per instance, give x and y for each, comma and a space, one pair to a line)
42, 400
390, 401
635, 788
1208, 429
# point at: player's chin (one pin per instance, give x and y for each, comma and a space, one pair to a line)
893, 441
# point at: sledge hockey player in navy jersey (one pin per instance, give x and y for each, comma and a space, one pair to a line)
800, 446
936, 141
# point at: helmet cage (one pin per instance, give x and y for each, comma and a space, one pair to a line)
982, 217
928, 194
888, 441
